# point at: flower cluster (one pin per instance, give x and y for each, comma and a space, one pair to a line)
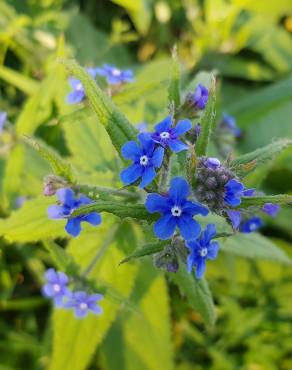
113, 75
68, 203
81, 302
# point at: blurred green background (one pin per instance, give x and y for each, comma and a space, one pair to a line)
248, 44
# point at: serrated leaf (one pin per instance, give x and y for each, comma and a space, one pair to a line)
281, 199
70, 334
197, 293
207, 122
246, 163
30, 223
116, 124
146, 250
59, 166
137, 211
254, 246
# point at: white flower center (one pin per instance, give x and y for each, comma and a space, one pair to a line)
144, 160
79, 87
56, 288
253, 226
116, 72
164, 135
176, 211
83, 306
203, 252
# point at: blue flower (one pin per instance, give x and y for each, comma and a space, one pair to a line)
233, 193
115, 75
166, 135
3, 117
145, 159
271, 209
56, 286
230, 123
82, 303
176, 211
69, 204
202, 249
251, 225
200, 97
78, 93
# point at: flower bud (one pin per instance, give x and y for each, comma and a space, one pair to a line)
52, 183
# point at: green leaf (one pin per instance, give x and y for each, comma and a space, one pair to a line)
197, 293
69, 333
207, 122
281, 199
95, 192
254, 246
146, 250
116, 124
61, 259
174, 85
23, 83
30, 223
248, 162
122, 210
142, 340
59, 166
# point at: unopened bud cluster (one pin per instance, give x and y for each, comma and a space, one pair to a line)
211, 179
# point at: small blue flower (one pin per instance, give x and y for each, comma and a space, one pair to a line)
271, 209
56, 286
251, 225
115, 75
69, 204
82, 303
145, 159
202, 249
78, 93
3, 118
168, 136
200, 97
212, 163
176, 211
230, 123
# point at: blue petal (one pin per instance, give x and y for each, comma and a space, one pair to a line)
59, 300
177, 145
165, 226
147, 143
189, 228
232, 201
213, 250
62, 278
51, 276
131, 174
235, 218
271, 209
74, 82
182, 127
92, 72
157, 157
163, 125
157, 203
195, 209
200, 268
147, 177
131, 150
75, 97
55, 212
66, 196
48, 291
73, 226
190, 262
83, 200
92, 218
3, 117
209, 233
248, 192
234, 186
80, 314
179, 189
